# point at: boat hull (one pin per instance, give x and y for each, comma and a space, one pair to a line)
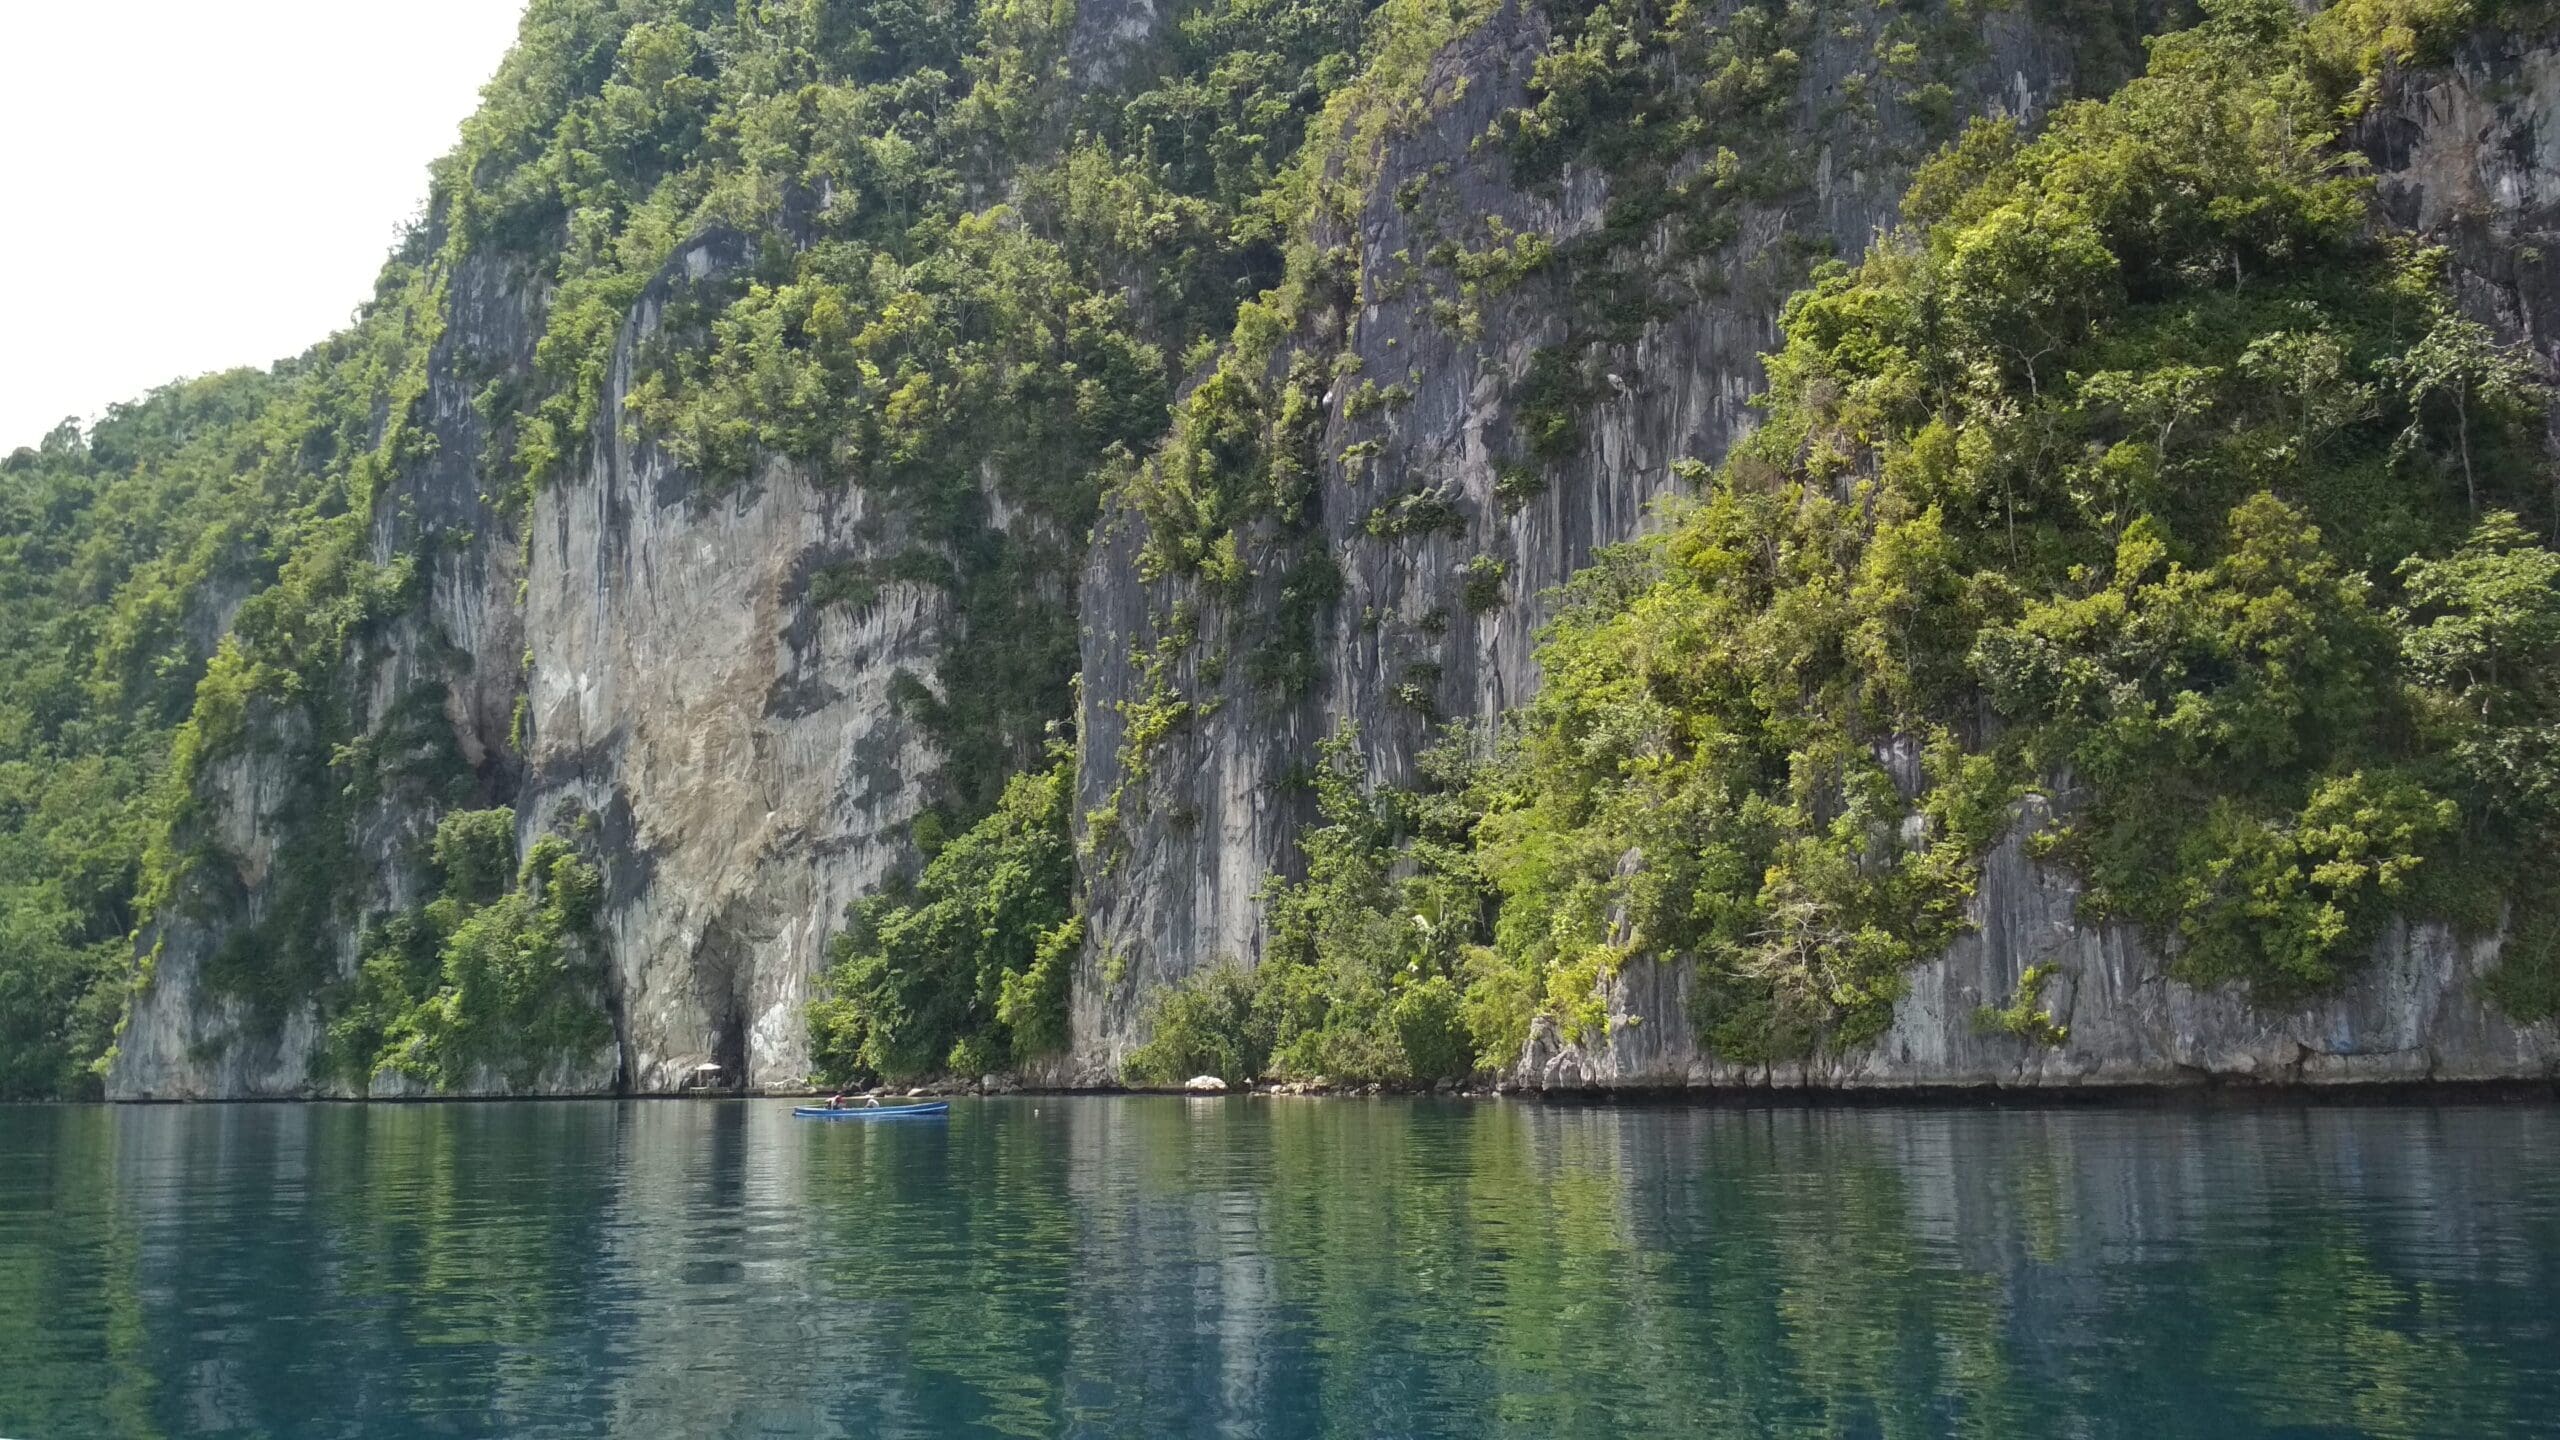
885, 1112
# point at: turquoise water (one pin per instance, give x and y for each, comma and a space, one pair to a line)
1160, 1266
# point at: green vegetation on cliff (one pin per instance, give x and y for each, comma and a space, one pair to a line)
970, 278
2142, 464
964, 971
1367, 970
190, 551
492, 979
90, 696
2142, 468
963, 272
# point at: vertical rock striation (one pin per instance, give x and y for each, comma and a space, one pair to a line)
2466, 156
639, 657
435, 689
737, 742
2414, 1013
1403, 650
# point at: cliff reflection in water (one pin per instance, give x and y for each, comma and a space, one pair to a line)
1250, 1267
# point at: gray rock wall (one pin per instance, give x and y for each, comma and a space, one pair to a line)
2414, 1014
2467, 156
179, 1041
456, 654
739, 746
729, 751
746, 775
1218, 816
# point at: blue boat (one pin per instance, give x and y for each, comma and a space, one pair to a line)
884, 1112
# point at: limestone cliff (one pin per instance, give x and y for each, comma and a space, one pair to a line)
1404, 647
2416, 1014
2466, 157
734, 742
643, 658
739, 740
436, 689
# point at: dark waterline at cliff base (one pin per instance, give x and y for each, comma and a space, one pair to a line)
1156, 1266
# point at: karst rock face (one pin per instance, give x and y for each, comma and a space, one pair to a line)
2467, 156
731, 748
1403, 649
638, 657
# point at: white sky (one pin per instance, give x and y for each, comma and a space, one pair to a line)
193, 185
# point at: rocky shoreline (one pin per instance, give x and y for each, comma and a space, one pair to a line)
2205, 1092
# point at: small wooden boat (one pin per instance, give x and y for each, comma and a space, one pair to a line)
925, 1111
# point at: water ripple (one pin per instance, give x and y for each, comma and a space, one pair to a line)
1146, 1267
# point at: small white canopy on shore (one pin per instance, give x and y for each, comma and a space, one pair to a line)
1205, 1084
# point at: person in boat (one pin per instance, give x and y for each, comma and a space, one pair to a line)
837, 1102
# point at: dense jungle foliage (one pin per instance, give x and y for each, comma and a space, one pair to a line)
124, 554
2147, 443
965, 971
970, 278
139, 509
494, 973
2141, 464
2141, 470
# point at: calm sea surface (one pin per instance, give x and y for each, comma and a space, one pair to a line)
1145, 1266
